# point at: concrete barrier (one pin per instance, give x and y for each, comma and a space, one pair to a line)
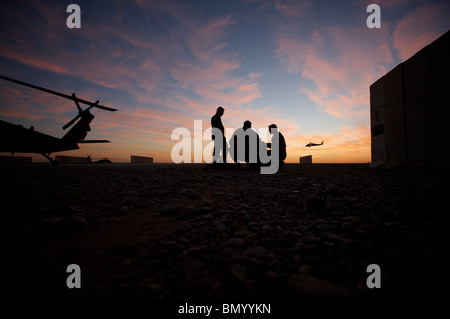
388, 118
14, 159
306, 159
141, 160
409, 108
62, 159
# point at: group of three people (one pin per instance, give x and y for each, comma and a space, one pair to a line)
245, 144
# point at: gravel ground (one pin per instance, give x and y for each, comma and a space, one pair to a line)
191, 231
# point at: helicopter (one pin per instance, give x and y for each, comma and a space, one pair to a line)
23, 140
102, 160
313, 144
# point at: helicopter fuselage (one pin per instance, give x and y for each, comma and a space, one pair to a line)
23, 140
17, 139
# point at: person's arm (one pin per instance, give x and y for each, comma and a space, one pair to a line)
282, 142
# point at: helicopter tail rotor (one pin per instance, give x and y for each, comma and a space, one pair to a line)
81, 111
71, 122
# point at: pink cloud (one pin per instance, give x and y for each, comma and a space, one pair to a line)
20, 102
205, 41
291, 51
34, 61
383, 4
144, 70
294, 8
211, 75
420, 28
392, 3
342, 81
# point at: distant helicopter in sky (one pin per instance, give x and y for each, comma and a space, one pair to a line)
313, 144
17, 139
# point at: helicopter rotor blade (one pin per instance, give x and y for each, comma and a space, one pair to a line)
57, 93
76, 102
93, 105
71, 122
80, 111
104, 107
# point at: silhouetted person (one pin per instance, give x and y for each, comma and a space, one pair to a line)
237, 150
245, 144
281, 145
218, 135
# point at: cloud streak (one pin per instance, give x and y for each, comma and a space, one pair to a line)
342, 80
418, 29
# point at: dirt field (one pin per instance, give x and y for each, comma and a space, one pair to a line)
191, 231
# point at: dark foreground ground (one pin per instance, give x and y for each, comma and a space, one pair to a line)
185, 232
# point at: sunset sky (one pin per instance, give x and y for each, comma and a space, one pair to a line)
304, 65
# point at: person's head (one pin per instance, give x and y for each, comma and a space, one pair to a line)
271, 126
220, 111
247, 124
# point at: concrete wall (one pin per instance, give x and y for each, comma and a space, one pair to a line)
419, 108
306, 159
409, 108
61, 159
387, 118
440, 82
15, 159
141, 159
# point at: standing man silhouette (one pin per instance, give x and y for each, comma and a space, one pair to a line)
218, 135
281, 145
